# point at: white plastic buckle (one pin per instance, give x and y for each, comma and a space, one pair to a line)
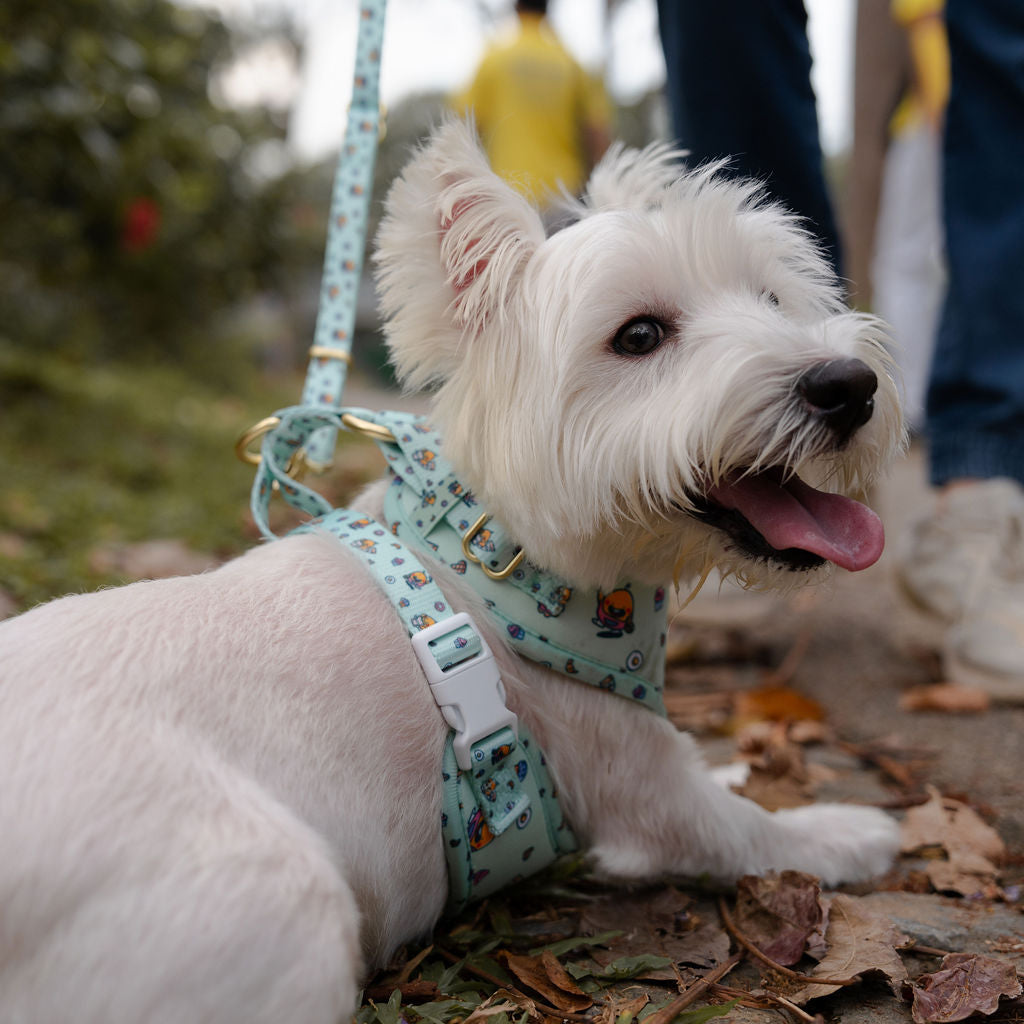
470, 694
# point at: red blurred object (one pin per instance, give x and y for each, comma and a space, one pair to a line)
140, 225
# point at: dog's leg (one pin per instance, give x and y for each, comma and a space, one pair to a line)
237, 915
692, 825
656, 810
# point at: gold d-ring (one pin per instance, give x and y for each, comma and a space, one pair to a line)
361, 426
494, 574
296, 466
256, 431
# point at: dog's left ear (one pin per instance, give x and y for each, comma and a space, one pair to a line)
450, 253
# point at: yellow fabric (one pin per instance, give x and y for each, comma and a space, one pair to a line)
929, 55
906, 11
534, 106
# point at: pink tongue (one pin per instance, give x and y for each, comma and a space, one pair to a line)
794, 515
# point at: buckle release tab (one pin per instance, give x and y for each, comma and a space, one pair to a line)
470, 693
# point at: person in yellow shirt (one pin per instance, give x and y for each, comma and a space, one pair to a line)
543, 120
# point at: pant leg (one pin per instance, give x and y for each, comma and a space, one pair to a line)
739, 85
976, 390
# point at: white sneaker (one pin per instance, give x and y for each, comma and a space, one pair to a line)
965, 564
985, 649
975, 534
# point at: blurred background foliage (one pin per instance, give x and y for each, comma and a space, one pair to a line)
138, 214
158, 261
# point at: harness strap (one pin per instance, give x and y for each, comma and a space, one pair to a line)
495, 781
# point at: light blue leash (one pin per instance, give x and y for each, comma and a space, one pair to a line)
330, 354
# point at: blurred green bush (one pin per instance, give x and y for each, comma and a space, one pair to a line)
137, 214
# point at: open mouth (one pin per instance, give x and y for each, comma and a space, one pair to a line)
769, 515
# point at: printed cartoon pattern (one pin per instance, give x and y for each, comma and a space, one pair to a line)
549, 622
481, 859
614, 613
508, 781
411, 588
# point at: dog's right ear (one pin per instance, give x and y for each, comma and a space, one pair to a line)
450, 253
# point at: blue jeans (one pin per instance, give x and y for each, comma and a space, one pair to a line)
739, 85
975, 408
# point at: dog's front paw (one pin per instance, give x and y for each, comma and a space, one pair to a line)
840, 842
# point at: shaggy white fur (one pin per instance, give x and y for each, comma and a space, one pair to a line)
219, 795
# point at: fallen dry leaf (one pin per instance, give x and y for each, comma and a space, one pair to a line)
859, 942
548, 978
501, 1002
777, 704
622, 1011
778, 913
949, 823
945, 697
698, 712
972, 848
778, 772
966, 983
657, 920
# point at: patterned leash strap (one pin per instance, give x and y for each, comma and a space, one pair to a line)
331, 352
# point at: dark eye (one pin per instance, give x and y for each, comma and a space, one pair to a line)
772, 298
638, 337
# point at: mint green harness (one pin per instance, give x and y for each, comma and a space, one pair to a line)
500, 817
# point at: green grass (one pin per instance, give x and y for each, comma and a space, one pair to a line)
104, 454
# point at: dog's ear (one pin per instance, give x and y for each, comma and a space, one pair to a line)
630, 179
450, 253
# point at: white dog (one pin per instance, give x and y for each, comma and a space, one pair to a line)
219, 795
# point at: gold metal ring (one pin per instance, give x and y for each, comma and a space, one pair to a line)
494, 574
256, 431
326, 352
361, 426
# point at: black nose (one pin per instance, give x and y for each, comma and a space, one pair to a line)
839, 393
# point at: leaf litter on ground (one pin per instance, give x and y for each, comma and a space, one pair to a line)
970, 850
965, 984
572, 948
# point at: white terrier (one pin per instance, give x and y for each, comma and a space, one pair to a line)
219, 795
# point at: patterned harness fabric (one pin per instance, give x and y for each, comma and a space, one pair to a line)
501, 820
506, 793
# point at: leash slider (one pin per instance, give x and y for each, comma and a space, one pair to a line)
470, 693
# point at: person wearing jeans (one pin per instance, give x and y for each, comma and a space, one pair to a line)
965, 560
738, 79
